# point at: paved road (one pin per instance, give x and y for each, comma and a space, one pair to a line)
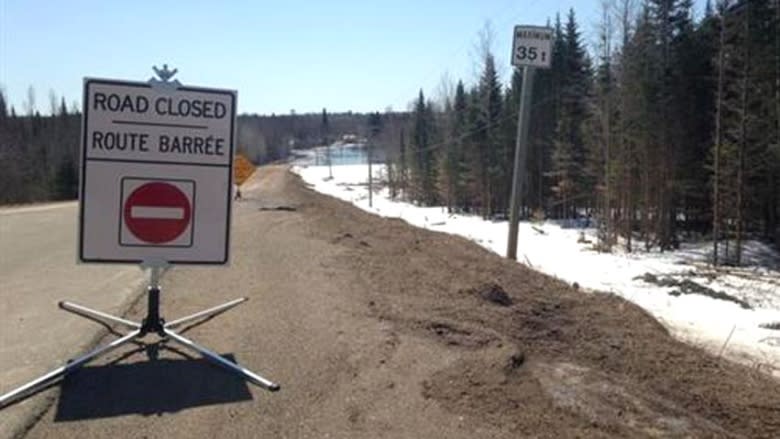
38, 269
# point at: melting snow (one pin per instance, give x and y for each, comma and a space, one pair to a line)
552, 249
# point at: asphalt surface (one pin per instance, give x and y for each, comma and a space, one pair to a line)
38, 269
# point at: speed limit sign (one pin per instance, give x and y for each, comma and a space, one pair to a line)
532, 47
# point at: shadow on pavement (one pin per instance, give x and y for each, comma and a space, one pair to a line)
147, 387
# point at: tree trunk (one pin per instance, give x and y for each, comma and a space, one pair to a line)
629, 210
718, 141
743, 138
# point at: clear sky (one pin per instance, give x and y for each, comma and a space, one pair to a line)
358, 55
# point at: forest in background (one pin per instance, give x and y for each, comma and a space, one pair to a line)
668, 126
39, 154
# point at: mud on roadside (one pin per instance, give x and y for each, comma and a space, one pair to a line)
592, 364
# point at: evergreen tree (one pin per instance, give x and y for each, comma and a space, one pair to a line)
746, 182
637, 89
3, 109
459, 136
422, 169
493, 169
546, 104
66, 180
569, 154
452, 164
472, 153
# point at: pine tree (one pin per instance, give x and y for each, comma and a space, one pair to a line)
3, 109
66, 180
493, 170
422, 157
694, 82
569, 154
637, 125
745, 181
452, 163
547, 103
718, 141
472, 153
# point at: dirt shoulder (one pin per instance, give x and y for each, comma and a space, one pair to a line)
378, 329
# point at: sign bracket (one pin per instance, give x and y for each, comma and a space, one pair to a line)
164, 84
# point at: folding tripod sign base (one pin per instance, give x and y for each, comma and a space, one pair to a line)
153, 323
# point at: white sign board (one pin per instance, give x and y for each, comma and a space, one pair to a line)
156, 173
532, 47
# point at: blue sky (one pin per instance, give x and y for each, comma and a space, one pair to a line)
280, 55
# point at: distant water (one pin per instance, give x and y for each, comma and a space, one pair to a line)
342, 154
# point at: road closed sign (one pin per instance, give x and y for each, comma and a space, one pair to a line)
532, 47
156, 173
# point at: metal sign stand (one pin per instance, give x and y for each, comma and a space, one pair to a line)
152, 323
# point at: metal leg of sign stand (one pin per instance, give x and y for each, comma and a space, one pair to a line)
153, 323
72, 365
230, 366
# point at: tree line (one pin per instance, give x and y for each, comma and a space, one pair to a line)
39, 154
669, 127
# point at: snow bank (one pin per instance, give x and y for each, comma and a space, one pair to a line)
697, 319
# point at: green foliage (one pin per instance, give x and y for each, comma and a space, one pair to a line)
628, 138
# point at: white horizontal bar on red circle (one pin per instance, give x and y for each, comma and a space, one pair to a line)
157, 212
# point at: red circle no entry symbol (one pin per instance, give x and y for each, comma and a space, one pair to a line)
157, 212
